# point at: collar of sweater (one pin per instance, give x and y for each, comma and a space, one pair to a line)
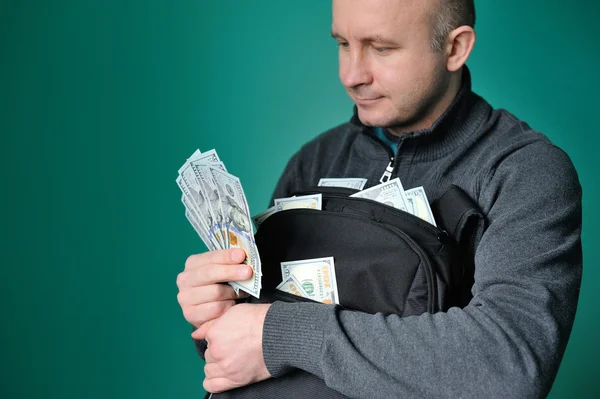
456, 126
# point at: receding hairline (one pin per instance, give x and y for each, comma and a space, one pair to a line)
441, 16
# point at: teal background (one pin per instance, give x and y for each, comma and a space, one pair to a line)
102, 101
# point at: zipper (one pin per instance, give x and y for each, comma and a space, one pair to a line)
387, 174
389, 169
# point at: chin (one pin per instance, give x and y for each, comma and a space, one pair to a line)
371, 118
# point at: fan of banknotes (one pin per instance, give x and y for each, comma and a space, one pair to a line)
216, 207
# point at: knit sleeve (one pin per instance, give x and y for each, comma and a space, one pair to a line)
506, 343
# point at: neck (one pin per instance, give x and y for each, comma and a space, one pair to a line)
436, 110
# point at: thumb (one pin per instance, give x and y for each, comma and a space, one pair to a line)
200, 333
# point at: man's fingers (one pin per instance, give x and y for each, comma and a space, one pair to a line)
212, 274
208, 293
200, 333
223, 256
201, 314
213, 370
208, 356
242, 295
222, 274
216, 385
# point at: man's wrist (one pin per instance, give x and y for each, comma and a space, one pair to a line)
293, 335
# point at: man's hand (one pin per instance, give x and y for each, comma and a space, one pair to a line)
200, 296
234, 356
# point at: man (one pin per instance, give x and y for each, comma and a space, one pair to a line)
403, 64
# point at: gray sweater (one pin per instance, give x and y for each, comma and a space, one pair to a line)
509, 341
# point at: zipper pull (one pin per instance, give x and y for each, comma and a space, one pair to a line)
388, 172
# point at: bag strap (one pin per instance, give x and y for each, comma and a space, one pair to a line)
460, 216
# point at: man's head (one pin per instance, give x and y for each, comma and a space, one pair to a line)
400, 60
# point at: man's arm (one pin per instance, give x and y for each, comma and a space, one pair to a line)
508, 342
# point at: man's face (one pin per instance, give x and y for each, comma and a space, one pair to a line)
386, 62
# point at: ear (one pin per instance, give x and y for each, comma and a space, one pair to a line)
458, 47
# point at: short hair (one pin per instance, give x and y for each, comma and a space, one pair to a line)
449, 15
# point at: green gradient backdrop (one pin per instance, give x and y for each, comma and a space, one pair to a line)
102, 101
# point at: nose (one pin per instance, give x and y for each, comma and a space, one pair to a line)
354, 69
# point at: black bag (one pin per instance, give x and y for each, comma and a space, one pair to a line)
386, 260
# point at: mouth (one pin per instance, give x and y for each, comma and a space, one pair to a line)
366, 101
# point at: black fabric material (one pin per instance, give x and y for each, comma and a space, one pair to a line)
386, 260
374, 277
464, 221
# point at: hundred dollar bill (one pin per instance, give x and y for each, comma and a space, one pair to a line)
261, 217
354, 183
197, 194
187, 195
292, 286
410, 205
237, 219
212, 209
194, 197
211, 158
389, 193
316, 276
304, 201
195, 155
209, 240
201, 231
183, 179
419, 205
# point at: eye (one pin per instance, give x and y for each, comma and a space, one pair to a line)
343, 44
381, 49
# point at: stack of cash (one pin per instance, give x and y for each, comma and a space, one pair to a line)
216, 206
283, 204
413, 201
391, 193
